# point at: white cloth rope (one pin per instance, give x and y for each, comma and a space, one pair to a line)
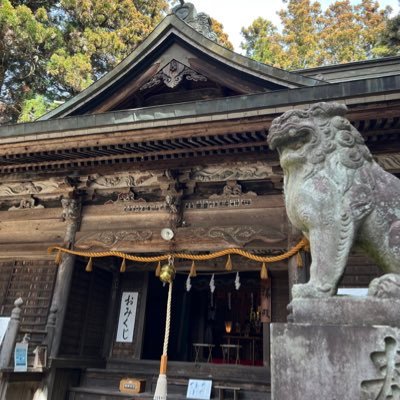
168, 320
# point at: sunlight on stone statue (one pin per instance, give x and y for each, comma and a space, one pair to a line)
338, 196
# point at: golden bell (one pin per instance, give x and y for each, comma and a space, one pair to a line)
167, 273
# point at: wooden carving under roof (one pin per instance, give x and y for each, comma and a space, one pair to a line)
178, 63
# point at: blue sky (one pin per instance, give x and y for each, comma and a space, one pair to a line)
235, 14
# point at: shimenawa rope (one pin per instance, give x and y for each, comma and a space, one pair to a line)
303, 244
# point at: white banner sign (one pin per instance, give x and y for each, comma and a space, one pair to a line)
127, 316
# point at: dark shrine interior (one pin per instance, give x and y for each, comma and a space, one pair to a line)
201, 321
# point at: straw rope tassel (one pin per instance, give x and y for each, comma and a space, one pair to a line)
193, 272
158, 269
161, 388
123, 266
299, 260
228, 265
264, 271
89, 266
58, 258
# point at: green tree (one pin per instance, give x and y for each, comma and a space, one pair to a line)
351, 33
35, 107
373, 23
390, 37
312, 37
223, 38
50, 50
27, 39
300, 37
98, 35
262, 42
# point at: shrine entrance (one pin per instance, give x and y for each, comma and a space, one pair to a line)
219, 327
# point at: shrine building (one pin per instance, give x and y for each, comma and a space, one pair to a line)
166, 155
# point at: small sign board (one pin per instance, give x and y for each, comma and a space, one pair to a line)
199, 389
21, 357
3, 327
132, 385
127, 317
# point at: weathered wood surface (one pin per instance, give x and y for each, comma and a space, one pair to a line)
253, 381
85, 321
28, 233
208, 223
128, 90
264, 221
169, 130
131, 134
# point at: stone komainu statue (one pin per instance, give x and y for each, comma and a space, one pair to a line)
337, 195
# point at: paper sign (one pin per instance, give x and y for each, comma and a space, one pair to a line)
199, 389
21, 357
3, 327
127, 316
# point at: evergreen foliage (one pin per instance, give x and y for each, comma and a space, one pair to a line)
311, 37
51, 50
390, 38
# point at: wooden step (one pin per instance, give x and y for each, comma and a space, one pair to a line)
103, 384
88, 393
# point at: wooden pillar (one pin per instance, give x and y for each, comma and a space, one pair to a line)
112, 314
141, 316
266, 319
55, 320
266, 344
72, 216
296, 274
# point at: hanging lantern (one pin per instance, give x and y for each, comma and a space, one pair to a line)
228, 326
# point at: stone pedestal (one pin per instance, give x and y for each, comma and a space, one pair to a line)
337, 348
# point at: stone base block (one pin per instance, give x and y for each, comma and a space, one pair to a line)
343, 310
334, 362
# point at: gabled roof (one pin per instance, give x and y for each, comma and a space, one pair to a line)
175, 48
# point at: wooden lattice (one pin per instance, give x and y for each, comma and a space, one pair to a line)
33, 281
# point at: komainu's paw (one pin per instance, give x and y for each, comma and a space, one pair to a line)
311, 290
385, 287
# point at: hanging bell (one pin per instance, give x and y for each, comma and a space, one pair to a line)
167, 272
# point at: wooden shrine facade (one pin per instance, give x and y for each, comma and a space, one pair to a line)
135, 154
